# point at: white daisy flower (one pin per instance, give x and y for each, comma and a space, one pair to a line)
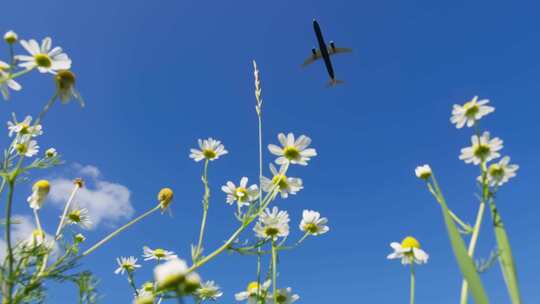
128, 264
241, 194
253, 292
23, 128
499, 173
47, 60
79, 216
10, 37
208, 291
313, 223
24, 147
210, 149
470, 112
286, 185
408, 251
294, 152
423, 172
170, 273
79, 238
272, 224
158, 254
284, 296
6, 83
483, 149
50, 153
40, 190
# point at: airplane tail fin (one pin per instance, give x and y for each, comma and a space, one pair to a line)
334, 82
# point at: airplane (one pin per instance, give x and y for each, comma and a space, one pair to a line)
325, 52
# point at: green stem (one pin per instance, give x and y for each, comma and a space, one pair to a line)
274, 270
206, 198
131, 282
46, 109
9, 281
413, 282
66, 208
117, 231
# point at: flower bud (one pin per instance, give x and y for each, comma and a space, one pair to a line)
10, 37
170, 274
40, 190
79, 238
165, 197
50, 153
423, 172
79, 182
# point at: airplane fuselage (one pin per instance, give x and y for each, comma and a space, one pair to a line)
323, 49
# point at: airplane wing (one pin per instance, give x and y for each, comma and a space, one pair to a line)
314, 56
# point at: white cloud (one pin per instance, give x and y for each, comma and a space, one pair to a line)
21, 229
107, 202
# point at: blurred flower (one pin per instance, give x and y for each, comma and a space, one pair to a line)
128, 264
470, 112
286, 185
165, 197
50, 153
284, 296
423, 172
79, 217
40, 190
144, 298
499, 173
272, 224
241, 194
45, 59
191, 283
10, 37
36, 239
253, 292
6, 83
408, 251
23, 128
170, 273
158, 254
208, 291
79, 238
24, 147
295, 152
65, 84
210, 149
483, 149
312, 223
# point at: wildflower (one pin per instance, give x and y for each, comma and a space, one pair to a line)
79, 217
192, 282
408, 251
294, 152
128, 264
50, 153
170, 273
286, 185
210, 149
499, 173
272, 224
65, 85
42, 57
24, 127
40, 190
253, 292
165, 197
158, 254
208, 291
10, 37
79, 238
36, 239
313, 223
25, 148
470, 112
6, 83
241, 194
483, 149
284, 296
423, 172
147, 287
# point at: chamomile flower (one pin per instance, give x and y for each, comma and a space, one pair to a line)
312, 223
499, 173
50, 153
191, 283
24, 128
483, 149
208, 291
79, 238
253, 292
6, 83
10, 37
25, 147
65, 85
284, 296
242, 194
128, 264
210, 149
46, 60
170, 273
158, 254
40, 190
292, 151
286, 185
470, 112
272, 224
165, 196
423, 172
408, 251
36, 239
79, 216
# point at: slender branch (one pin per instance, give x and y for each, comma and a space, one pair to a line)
274, 270
9, 281
206, 198
66, 208
413, 283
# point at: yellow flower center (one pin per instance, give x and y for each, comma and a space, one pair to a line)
253, 287
471, 108
209, 153
281, 181
410, 243
241, 194
21, 148
159, 253
165, 197
311, 228
291, 152
42, 186
43, 60
482, 151
75, 216
281, 298
496, 171
271, 231
65, 80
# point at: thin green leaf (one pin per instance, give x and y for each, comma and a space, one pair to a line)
506, 259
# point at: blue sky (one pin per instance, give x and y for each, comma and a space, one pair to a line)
157, 75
